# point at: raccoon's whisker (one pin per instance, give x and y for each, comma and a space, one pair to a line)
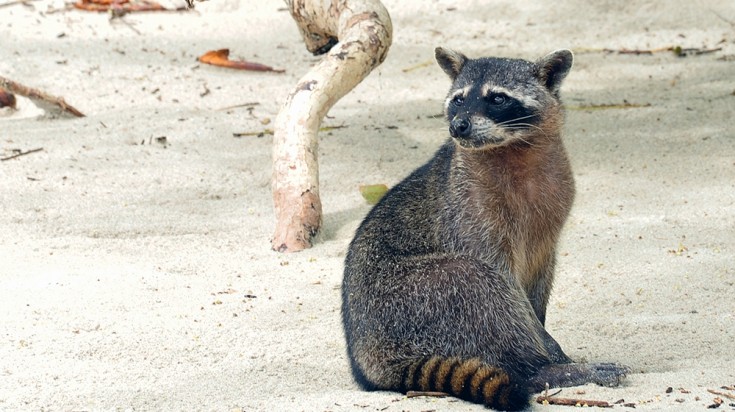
516, 119
524, 140
523, 126
520, 126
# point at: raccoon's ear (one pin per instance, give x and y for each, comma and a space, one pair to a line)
553, 68
450, 61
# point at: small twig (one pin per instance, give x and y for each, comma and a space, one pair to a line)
571, 402
685, 51
11, 3
35, 94
19, 154
622, 50
270, 131
638, 52
418, 66
66, 7
732, 23
604, 106
416, 394
259, 134
330, 128
546, 393
677, 50
190, 3
727, 395
205, 92
250, 104
118, 13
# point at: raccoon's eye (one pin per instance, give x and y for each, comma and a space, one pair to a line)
458, 100
497, 99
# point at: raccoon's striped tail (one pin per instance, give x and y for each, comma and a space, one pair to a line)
468, 379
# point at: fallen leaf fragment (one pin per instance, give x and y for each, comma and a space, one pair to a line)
7, 99
716, 402
221, 58
373, 193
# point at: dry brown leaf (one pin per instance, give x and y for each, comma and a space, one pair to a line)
222, 58
120, 6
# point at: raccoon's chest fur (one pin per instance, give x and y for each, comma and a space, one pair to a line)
510, 206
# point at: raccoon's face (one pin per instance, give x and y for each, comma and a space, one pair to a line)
495, 102
486, 115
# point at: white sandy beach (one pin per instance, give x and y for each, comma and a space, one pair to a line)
136, 271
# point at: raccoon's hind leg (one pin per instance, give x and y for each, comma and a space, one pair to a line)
556, 354
574, 374
447, 323
458, 306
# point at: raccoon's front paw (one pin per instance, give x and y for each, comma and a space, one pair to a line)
608, 374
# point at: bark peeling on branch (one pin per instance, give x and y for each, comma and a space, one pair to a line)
356, 36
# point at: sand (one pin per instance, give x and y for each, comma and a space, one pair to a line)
136, 266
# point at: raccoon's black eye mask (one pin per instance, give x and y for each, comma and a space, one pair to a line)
497, 99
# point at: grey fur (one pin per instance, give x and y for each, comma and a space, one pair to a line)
457, 260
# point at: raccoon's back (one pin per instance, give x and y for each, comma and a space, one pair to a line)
401, 224
405, 220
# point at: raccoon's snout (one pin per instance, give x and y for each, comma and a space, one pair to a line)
460, 127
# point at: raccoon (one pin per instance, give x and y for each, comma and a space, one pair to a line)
447, 279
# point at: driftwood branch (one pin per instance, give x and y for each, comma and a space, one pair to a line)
38, 96
355, 35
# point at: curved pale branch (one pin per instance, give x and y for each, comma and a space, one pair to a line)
355, 35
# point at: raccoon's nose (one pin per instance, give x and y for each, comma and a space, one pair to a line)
460, 127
